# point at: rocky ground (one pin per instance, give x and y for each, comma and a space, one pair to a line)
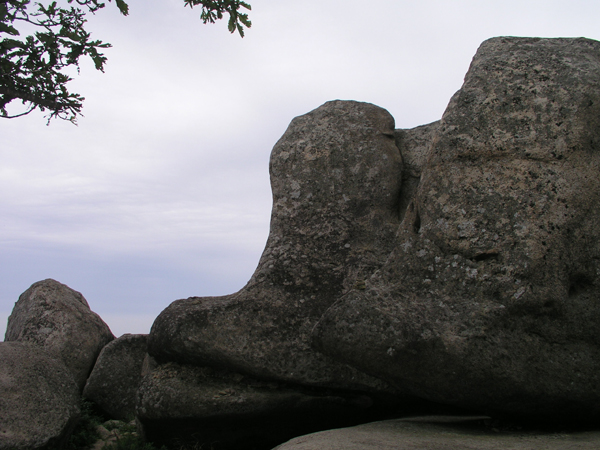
443, 433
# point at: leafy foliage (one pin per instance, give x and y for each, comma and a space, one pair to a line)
213, 10
85, 433
127, 439
33, 67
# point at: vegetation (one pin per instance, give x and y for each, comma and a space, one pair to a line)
33, 68
127, 439
86, 434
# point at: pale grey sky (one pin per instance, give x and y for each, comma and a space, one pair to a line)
162, 191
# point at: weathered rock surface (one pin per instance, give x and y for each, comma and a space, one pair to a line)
116, 376
440, 433
211, 408
457, 262
490, 297
336, 176
39, 399
59, 319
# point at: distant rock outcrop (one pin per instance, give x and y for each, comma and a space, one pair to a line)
59, 319
39, 399
115, 379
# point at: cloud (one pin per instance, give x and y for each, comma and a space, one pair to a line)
162, 191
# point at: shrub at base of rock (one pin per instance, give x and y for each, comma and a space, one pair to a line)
118, 435
59, 319
39, 400
114, 381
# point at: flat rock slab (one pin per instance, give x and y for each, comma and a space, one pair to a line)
439, 433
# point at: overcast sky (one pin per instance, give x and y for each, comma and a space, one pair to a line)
162, 190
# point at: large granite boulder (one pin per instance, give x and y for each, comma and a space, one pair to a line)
114, 381
59, 319
457, 262
490, 296
442, 433
335, 176
39, 399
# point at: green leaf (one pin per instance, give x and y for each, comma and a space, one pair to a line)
11, 43
5, 28
123, 7
244, 19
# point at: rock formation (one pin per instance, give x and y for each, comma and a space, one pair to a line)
59, 319
39, 399
456, 264
335, 176
115, 379
489, 298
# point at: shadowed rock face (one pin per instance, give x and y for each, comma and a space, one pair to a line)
39, 399
490, 296
335, 175
457, 262
184, 405
114, 381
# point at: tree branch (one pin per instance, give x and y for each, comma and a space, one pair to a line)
17, 115
11, 94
